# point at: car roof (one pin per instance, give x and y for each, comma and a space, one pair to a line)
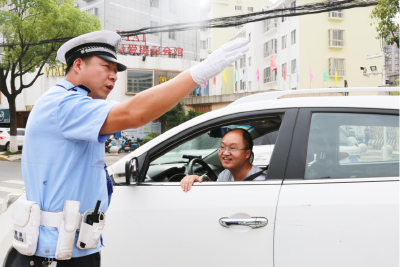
325, 92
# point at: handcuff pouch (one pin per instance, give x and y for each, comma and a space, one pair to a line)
26, 223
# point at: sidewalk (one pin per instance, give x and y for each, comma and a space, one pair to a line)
10, 157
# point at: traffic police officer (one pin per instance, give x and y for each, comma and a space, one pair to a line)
63, 156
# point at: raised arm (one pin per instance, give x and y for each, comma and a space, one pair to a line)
152, 103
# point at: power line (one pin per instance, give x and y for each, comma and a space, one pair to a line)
308, 9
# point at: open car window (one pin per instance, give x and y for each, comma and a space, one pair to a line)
173, 165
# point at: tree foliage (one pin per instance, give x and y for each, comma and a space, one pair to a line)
29, 21
151, 136
385, 12
176, 116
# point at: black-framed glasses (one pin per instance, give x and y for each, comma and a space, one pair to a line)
230, 149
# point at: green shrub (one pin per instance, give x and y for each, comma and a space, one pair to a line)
149, 137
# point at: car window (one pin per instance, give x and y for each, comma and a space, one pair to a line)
174, 163
21, 132
344, 145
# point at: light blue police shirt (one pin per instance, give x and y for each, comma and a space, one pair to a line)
63, 157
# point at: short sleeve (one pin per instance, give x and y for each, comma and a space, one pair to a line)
222, 176
81, 117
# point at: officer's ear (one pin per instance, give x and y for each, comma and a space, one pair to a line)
76, 67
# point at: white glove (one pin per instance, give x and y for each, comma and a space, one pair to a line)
219, 60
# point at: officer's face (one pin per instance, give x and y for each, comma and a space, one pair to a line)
233, 160
100, 76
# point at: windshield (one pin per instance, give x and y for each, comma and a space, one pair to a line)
201, 146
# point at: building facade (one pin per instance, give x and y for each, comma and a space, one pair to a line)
303, 48
306, 47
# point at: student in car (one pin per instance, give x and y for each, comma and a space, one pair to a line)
234, 152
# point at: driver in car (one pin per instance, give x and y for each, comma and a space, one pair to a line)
234, 153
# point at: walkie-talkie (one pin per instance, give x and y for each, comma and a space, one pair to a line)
94, 216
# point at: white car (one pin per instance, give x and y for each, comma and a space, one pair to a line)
5, 138
312, 210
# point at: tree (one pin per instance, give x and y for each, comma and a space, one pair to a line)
385, 12
31, 21
176, 116
151, 136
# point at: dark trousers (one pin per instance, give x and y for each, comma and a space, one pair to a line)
92, 260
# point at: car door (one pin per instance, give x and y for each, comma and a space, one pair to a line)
339, 202
157, 224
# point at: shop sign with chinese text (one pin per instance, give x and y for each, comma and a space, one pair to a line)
136, 45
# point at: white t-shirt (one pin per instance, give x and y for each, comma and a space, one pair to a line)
226, 175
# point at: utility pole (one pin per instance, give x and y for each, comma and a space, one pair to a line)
383, 72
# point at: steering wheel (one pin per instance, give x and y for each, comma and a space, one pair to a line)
210, 173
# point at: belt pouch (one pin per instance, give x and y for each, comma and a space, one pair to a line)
26, 223
67, 230
89, 235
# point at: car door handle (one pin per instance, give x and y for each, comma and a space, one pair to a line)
253, 222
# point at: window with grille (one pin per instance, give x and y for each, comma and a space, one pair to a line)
269, 76
250, 9
238, 7
243, 61
283, 42
336, 38
155, 3
337, 14
270, 46
396, 62
270, 24
293, 37
339, 64
155, 24
293, 66
92, 11
396, 67
172, 35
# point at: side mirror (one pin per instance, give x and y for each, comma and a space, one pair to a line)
131, 171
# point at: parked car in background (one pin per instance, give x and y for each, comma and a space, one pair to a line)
314, 209
5, 138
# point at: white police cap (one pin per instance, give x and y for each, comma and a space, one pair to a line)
104, 44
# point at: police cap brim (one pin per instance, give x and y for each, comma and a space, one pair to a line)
120, 67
